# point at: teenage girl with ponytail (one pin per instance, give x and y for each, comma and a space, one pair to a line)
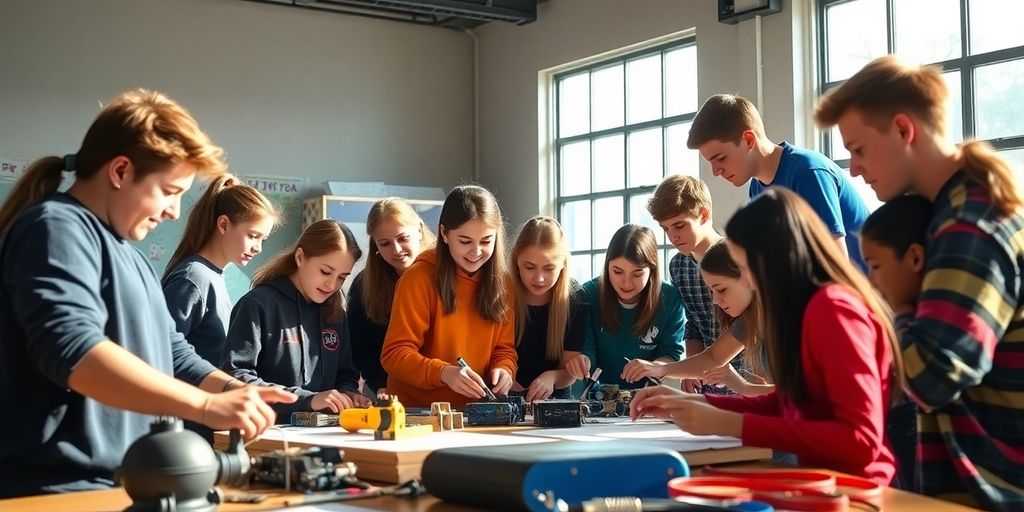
227, 225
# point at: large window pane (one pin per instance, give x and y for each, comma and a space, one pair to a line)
609, 163
996, 24
864, 191
954, 106
681, 81
607, 220
681, 159
999, 111
643, 89
927, 30
580, 267
638, 214
645, 167
839, 151
666, 258
854, 36
575, 164
574, 105
607, 173
608, 97
576, 224
1015, 157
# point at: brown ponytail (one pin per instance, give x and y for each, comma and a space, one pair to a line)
985, 166
226, 195
41, 179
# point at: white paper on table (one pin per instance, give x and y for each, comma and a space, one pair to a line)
649, 431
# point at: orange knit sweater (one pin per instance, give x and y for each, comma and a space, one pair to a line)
422, 339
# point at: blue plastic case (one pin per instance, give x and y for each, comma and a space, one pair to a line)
529, 477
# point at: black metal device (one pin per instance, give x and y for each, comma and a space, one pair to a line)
173, 469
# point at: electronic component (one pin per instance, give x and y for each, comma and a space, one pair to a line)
314, 419
558, 413
307, 469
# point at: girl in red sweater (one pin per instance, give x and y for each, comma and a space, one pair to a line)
830, 348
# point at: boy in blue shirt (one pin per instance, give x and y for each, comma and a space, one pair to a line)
729, 134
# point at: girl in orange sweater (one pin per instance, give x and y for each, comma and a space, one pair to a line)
452, 302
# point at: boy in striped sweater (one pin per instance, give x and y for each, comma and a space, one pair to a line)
963, 340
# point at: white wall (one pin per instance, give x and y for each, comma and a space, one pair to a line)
569, 30
285, 91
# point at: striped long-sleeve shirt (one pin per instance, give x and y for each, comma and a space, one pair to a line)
964, 351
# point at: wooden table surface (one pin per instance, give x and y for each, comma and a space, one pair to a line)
116, 500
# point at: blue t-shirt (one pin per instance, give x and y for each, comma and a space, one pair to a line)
824, 186
68, 283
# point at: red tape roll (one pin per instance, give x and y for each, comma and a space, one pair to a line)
798, 490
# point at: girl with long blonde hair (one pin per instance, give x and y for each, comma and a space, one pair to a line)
397, 236
550, 314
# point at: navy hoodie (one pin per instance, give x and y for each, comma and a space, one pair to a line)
276, 338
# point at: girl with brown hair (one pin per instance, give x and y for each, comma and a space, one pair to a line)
290, 332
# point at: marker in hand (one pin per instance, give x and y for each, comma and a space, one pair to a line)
590, 383
487, 391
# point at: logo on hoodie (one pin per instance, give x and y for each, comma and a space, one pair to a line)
330, 339
651, 334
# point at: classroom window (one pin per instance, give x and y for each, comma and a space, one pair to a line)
621, 127
977, 43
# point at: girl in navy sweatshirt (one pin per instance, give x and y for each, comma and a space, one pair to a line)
227, 225
289, 331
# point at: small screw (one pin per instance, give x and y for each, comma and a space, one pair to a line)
671, 472
573, 471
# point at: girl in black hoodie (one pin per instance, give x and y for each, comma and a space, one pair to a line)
289, 331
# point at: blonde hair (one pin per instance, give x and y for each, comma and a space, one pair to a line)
678, 194
463, 204
228, 196
724, 117
380, 278
147, 127
547, 234
886, 87
320, 238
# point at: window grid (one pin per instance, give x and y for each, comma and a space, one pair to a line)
596, 248
966, 65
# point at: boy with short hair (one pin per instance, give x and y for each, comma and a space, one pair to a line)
682, 206
892, 241
729, 134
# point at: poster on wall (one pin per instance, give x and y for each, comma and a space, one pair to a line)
284, 191
12, 168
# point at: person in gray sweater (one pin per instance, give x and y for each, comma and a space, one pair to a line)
88, 351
